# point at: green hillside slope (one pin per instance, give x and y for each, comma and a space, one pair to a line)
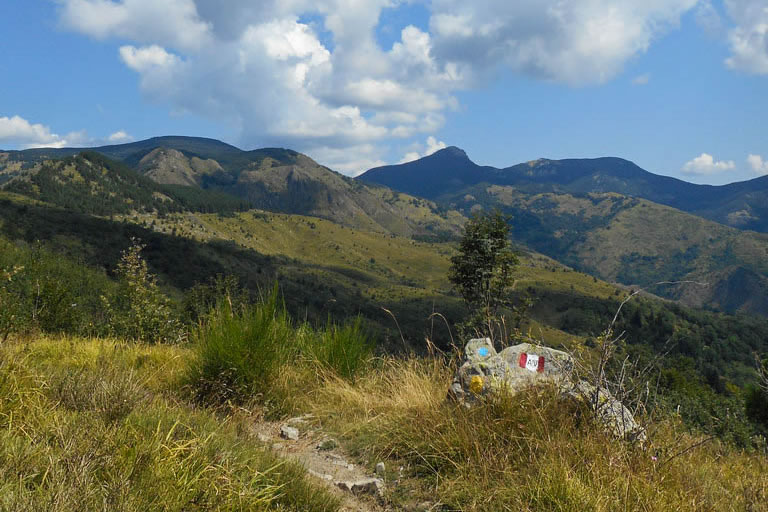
638, 243
326, 269
90, 183
271, 179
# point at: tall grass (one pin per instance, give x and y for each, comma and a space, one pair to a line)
530, 451
240, 354
99, 425
68, 443
343, 349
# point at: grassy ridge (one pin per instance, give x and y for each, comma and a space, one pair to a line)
97, 425
94, 424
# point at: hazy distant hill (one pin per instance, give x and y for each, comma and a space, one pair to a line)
590, 214
447, 172
272, 179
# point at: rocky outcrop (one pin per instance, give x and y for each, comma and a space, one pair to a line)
485, 372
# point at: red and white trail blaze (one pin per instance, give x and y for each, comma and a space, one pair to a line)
531, 362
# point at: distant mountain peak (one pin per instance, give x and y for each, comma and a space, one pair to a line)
451, 152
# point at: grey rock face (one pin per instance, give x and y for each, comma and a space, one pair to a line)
610, 412
515, 368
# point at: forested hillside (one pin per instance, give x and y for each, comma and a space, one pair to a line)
568, 211
446, 174
271, 179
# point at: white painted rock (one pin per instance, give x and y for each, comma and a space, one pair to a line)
485, 371
515, 368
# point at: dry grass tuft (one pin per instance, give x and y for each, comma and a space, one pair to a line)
532, 451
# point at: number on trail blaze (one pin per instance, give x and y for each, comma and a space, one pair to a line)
532, 362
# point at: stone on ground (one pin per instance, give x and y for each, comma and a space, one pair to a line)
290, 433
486, 372
372, 486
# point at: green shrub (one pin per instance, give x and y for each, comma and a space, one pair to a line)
139, 310
343, 349
239, 353
42, 289
11, 310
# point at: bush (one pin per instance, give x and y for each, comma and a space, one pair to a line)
139, 310
239, 354
343, 349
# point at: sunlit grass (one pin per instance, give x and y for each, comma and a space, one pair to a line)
96, 425
532, 451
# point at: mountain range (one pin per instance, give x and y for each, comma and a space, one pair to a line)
271, 179
612, 219
605, 217
445, 174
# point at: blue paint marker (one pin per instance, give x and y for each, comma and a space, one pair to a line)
482, 352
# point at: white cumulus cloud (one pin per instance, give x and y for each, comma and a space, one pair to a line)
120, 137
749, 38
757, 164
705, 164
419, 151
172, 23
17, 132
21, 133
326, 87
574, 41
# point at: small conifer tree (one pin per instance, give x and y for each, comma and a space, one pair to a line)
139, 310
482, 273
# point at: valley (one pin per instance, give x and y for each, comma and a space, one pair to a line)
386, 264
595, 216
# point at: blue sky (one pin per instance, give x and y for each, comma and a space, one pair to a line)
678, 86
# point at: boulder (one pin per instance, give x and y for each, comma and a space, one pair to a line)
485, 371
610, 412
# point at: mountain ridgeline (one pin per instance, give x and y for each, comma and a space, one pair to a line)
446, 174
612, 219
271, 179
605, 217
